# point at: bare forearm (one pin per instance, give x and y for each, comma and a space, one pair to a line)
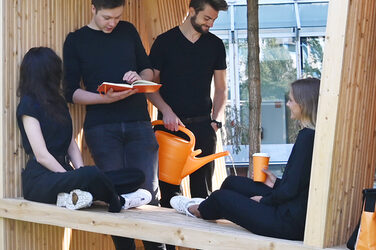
219, 103
75, 154
157, 100
147, 74
84, 97
49, 162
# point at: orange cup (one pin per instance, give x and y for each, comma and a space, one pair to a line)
260, 162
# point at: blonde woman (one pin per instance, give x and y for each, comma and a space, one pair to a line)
276, 208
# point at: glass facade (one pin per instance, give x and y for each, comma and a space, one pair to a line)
291, 46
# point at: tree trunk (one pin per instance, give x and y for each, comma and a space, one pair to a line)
254, 80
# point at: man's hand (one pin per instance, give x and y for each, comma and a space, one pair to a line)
214, 126
171, 121
112, 96
131, 76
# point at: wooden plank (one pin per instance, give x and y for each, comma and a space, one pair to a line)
326, 123
148, 223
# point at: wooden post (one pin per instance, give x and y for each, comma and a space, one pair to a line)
2, 152
326, 123
344, 157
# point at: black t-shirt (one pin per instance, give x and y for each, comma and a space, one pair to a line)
290, 192
94, 57
56, 134
186, 70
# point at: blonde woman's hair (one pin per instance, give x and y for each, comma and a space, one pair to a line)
306, 94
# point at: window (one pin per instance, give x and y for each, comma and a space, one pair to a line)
291, 46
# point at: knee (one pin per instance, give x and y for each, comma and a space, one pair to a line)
228, 183
90, 172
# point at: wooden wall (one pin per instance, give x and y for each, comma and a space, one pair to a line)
345, 147
344, 155
29, 23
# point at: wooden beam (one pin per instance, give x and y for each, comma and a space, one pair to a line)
2, 140
147, 223
326, 123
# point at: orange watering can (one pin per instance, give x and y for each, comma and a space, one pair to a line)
176, 156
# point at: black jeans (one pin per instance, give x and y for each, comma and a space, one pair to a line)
42, 185
232, 202
127, 145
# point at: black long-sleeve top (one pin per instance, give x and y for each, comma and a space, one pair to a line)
290, 193
94, 57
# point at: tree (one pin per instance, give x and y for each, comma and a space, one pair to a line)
254, 80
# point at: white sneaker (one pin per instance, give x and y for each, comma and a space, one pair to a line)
182, 203
136, 199
76, 199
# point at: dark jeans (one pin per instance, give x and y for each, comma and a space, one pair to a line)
232, 202
127, 145
42, 185
201, 179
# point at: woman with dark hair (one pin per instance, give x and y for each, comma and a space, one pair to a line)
47, 135
277, 207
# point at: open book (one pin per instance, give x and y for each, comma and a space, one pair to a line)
143, 86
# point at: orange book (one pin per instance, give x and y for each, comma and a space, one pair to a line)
143, 86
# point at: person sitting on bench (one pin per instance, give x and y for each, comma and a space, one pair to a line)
276, 208
47, 135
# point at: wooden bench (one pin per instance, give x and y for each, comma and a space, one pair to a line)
146, 223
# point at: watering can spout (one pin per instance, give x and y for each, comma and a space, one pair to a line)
193, 163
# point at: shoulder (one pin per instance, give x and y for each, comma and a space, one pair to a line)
74, 36
306, 135
28, 100
77, 33
124, 25
170, 34
28, 105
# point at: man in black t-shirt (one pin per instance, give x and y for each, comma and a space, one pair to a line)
117, 125
185, 59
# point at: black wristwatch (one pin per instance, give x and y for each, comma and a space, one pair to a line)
219, 124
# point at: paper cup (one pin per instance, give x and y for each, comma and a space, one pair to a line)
260, 162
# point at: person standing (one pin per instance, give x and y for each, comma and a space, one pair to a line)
185, 60
117, 125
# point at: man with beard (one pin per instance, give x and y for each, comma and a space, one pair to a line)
185, 59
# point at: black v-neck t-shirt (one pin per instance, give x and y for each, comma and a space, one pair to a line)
186, 70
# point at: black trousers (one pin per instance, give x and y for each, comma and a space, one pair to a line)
232, 202
201, 179
42, 185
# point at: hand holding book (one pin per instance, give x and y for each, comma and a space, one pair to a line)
142, 86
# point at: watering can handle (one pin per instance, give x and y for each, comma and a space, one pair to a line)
192, 139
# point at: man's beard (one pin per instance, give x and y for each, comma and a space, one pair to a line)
197, 26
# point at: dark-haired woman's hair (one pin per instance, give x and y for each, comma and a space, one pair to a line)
306, 94
40, 77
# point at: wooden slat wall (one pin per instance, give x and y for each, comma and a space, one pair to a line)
30, 23
352, 144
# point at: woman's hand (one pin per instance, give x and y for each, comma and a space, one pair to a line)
270, 178
256, 198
